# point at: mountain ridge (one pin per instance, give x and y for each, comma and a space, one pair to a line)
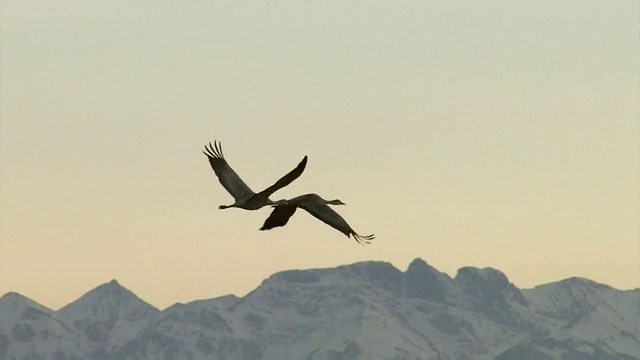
361, 310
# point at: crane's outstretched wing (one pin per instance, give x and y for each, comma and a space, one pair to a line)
317, 207
279, 217
287, 179
228, 178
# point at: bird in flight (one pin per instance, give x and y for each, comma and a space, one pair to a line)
244, 197
318, 207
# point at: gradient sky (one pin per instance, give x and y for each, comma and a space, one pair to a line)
501, 133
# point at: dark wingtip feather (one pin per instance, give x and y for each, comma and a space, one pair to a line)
218, 147
208, 151
363, 239
303, 163
214, 150
266, 226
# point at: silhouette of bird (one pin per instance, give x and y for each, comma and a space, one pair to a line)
244, 197
318, 207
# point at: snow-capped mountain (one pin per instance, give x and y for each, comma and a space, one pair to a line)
29, 330
367, 310
108, 317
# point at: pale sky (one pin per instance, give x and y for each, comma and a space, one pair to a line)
500, 133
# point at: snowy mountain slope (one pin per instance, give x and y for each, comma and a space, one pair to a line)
367, 310
584, 320
567, 301
29, 330
590, 318
615, 322
323, 314
197, 330
109, 316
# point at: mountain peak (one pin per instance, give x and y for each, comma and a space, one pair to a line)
575, 287
112, 291
423, 281
489, 291
471, 279
380, 273
17, 303
113, 287
109, 311
418, 261
12, 296
568, 299
21, 317
577, 281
